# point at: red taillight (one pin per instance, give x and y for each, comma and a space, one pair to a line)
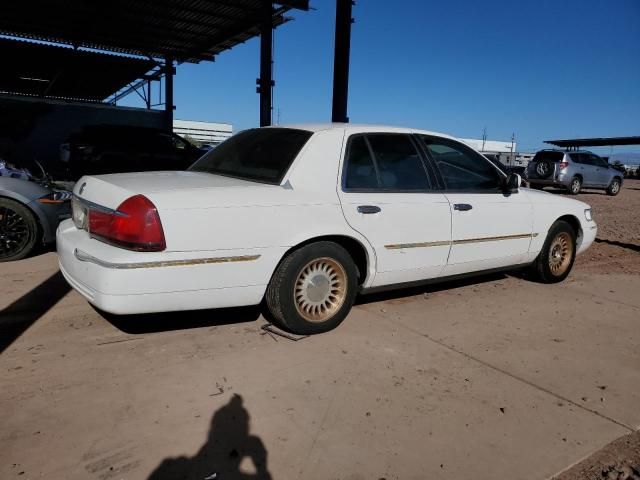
135, 225
563, 165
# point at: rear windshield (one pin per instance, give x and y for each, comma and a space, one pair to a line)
262, 155
549, 156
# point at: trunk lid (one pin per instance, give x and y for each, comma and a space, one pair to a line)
167, 190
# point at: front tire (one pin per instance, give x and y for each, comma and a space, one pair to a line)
575, 186
313, 288
18, 230
614, 187
555, 261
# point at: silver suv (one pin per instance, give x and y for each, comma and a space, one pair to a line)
572, 170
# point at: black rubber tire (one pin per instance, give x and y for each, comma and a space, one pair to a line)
280, 297
540, 267
31, 226
614, 191
575, 186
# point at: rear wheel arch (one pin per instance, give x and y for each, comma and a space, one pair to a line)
353, 246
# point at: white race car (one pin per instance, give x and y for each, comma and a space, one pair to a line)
305, 217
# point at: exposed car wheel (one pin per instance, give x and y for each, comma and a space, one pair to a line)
18, 230
614, 187
313, 288
557, 255
575, 186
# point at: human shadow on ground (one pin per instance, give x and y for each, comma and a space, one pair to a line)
230, 453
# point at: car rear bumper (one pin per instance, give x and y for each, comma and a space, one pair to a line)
123, 282
555, 182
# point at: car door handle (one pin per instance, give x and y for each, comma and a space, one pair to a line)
366, 209
462, 207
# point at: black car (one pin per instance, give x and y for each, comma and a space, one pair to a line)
100, 149
31, 206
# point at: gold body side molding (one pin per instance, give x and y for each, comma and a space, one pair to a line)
398, 246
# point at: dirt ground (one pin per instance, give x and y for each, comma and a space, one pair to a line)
617, 245
492, 377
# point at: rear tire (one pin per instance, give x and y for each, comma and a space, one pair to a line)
313, 288
18, 230
614, 187
555, 260
575, 186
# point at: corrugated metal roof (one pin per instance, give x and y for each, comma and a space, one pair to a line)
57, 72
187, 30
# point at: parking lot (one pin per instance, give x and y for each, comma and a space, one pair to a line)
492, 377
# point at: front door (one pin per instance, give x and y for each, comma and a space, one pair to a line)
489, 228
387, 196
601, 167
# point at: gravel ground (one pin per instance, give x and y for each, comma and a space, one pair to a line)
617, 247
620, 460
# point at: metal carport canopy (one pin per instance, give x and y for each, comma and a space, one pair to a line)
50, 71
184, 30
594, 142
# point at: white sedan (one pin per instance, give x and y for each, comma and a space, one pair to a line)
305, 217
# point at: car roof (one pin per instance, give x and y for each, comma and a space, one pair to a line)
352, 128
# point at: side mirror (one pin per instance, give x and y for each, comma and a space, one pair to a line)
512, 183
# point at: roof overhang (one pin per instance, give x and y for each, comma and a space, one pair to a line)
48, 71
595, 142
184, 30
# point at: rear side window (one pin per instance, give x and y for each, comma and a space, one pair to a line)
577, 158
361, 171
549, 156
387, 162
461, 167
262, 155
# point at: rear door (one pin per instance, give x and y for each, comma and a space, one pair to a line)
585, 168
388, 196
489, 228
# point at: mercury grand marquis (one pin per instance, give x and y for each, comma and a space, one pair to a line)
304, 218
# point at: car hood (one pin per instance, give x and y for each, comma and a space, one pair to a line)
547, 198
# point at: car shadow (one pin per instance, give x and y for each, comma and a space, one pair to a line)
559, 191
366, 298
190, 319
184, 320
629, 246
229, 447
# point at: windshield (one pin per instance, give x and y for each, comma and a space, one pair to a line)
262, 155
549, 156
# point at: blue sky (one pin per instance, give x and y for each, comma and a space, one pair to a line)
540, 68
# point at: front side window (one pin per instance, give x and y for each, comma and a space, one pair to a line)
462, 168
386, 162
598, 161
262, 155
